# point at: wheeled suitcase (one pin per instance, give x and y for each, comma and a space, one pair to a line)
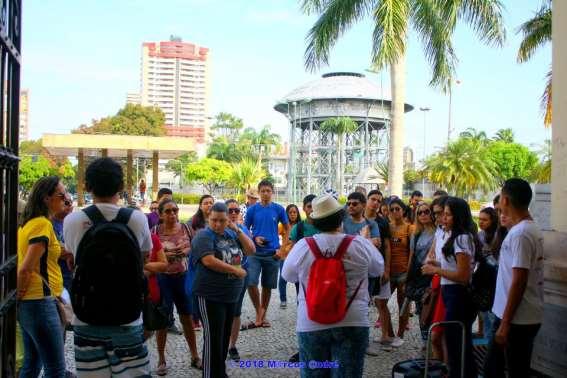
426, 367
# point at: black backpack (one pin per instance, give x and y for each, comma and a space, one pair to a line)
483, 282
109, 285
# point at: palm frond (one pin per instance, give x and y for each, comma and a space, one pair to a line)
536, 33
546, 101
435, 33
337, 16
313, 6
485, 18
390, 32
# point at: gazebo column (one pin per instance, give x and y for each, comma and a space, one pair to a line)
104, 152
80, 177
155, 170
129, 173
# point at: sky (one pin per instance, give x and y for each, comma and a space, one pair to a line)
80, 58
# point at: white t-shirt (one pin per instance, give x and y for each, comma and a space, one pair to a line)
77, 223
522, 248
360, 261
463, 244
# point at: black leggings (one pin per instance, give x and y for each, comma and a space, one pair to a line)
217, 323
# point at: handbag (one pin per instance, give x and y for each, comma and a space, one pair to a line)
65, 310
483, 283
429, 302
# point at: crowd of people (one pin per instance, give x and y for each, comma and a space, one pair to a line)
124, 273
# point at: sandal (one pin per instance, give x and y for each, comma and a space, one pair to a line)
266, 324
250, 325
197, 363
161, 369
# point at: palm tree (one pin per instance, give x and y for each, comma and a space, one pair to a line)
472, 133
504, 135
462, 167
537, 33
433, 20
246, 174
542, 174
339, 126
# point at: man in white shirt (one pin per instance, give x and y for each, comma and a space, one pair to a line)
104, 351
518, 303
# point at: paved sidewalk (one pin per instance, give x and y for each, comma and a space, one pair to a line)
277, 343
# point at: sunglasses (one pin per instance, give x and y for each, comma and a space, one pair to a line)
353, 203
424, 212
395, 209
169, 211
234, 211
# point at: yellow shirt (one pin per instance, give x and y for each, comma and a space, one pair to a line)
40, 230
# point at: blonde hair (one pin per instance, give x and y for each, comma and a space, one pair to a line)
418, 226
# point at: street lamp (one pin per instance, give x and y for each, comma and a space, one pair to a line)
424, 110
449, 129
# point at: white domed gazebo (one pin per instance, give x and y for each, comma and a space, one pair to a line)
314, 152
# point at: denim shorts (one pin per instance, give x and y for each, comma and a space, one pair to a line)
172, 291
268, 266
345, 345
238, 309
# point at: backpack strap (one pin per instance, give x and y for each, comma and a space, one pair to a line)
354, 295
343, 246
94, 214
312, 244
300, 232
123, 215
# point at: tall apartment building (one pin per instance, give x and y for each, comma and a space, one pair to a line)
24, 115
175, 77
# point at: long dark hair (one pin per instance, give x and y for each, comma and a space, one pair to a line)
36, 206
491, 231
463, 224
198, 220
293, 206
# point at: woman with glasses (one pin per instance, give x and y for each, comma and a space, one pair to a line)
420, 243
454, 263
400, 232
294, 218
175, 238
40, 281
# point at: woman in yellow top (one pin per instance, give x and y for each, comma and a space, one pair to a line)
40, 281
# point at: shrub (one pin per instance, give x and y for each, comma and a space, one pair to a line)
186, 198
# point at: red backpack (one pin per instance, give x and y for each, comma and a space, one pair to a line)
326, 295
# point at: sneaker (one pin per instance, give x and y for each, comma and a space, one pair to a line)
371, 351
283, 305
397, 342
294, 358
233, 354
386, 346
173, 329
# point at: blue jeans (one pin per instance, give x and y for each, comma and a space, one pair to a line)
42, 335
282, 285
459, 307
345, 345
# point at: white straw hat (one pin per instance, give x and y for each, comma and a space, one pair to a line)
325, 205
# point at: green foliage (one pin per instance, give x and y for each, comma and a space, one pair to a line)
411, 176
211, 173
512, 160
187, 198
462, 167
246, 174
130, 120
31, 147
504, 135
472, 133
177, 165
32, 169
227, 125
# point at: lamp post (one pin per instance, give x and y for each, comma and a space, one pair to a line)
449, 127
424, 110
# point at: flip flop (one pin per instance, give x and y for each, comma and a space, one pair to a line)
250, 325
266, 324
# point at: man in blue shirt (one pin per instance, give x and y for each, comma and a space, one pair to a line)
66, 261
263, 219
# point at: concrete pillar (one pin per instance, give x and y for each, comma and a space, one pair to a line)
104, 152
129, 173
559, 130
155, 170
80, 177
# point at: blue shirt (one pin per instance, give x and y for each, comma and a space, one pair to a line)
244, 257
352, 228
65, 272
263, 221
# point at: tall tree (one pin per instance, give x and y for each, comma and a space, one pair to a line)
504, 135
434, 21
472, 133
512, 160
339, 126
463, 167
536, 33
246, 174
210, 173
228, 125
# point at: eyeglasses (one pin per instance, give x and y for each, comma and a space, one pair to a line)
234, 211
353, 203
174, 210
424, 212
395, 209
68, 203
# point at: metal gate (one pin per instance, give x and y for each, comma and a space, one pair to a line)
10, 59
